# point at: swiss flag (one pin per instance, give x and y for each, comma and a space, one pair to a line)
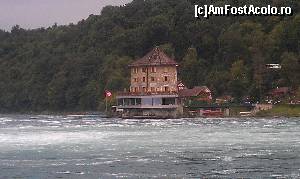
181, 86
108, 93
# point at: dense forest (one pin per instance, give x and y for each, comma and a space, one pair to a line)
67, 68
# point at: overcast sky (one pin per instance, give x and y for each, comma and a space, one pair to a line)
44, 13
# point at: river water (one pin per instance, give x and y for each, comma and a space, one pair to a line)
91, 146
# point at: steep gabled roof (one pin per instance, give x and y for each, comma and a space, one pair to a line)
196, 91
154, 58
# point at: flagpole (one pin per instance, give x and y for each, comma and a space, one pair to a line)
105, 103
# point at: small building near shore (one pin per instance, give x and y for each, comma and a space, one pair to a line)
200, 94
278, 95
273, 66
154, 88
279, 92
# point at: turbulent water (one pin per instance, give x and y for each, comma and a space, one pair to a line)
97, 147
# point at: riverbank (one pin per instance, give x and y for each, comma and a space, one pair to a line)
61, 113
98, 147
276, 111
282, 111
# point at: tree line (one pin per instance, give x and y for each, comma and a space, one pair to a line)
67, 68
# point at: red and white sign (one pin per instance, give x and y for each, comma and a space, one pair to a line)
181, 86
108, 94
207, 90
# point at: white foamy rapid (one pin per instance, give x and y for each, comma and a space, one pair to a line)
90, 146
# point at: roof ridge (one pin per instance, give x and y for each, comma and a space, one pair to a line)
154, 58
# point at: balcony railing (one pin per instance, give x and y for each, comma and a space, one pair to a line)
148, 106
146, 93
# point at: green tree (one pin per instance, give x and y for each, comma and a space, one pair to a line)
190, 68
89, 97
290, 69
57, 67
239, 80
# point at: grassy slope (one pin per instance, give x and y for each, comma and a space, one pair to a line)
282, 110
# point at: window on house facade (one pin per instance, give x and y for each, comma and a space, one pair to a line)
144, 70
168, 101
135, 70
136, 89
138, 101
152, 89
152, 79
144, 79
135, 80
166, 78
166, 89
144, 89
153, 69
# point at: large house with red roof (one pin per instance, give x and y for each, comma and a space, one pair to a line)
154, 88
154, 73
155, 91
